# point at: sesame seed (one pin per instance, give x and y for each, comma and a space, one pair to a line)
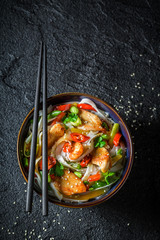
44, 221
142, 95
140, 55
149, 60
2, 228
59, 223
64, 227
115, 88
14, 202
24, 183
52, 238
17, 217
158, 94
25, 190
69, 211
39, 236
45, 230
13, 233
80, 219
128, 224
131, 96
40, 200
152, 88
57, 214
149, 123
34, 221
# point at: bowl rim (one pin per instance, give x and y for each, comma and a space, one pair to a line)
130, 161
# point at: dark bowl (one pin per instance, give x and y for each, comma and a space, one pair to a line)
68, 97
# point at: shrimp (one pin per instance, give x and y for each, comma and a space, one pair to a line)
102, 159
71, 184
77, 150
93, 121
54, 133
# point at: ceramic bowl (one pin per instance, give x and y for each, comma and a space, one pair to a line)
77, 97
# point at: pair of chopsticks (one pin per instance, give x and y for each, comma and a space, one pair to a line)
42, 71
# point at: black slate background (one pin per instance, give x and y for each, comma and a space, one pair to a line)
110, 49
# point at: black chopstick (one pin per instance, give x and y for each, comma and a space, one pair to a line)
45, 144
34, 139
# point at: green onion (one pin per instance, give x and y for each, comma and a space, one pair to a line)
119, 151
78, 174
98, 184
105, 136
104, 124
111, 177
91, 188
86, 182
53, 114
76, 165
49, 178
99, 142
74, 110
77, 123
25, 162
115, 129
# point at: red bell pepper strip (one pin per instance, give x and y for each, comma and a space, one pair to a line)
94, 177
85, 106
85, 161
117, 138
51, 162
67, 147
77, 137
63, 107
52, 177
58, 118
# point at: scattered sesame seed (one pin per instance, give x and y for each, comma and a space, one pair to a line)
13, 233
128, 224
52, 238
39, 236
158, 94
59, 223
57, 214
138, 83
44, 221
64, 227
45, 230
80, 219
7, 230
40, 200
140, 55
132, 75
24, 183
34, 221
149, 60
29, 236
33, 233
152, 88
17, 217
69, 211
135, 156
131, 96
9, 233
25, 190
15, 223
2, 228
149, 123
142, 95
115, 88
54, 220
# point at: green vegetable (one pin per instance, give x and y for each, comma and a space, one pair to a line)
51, 171
31, 121
119, 151
105, 136
102, 144
99, 142
91, 188
98, 184
49, 178
74, 110
27, 153
77, 123
53, 114
104, 125
86, 182
71, 117
76, 165
78, 174
25, 162
111, 177
115, 129
59, 170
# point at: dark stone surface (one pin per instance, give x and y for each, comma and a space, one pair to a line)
105, 48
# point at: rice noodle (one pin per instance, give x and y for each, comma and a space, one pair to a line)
57, 193
91, 170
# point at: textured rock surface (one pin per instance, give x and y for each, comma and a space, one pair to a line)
104, 48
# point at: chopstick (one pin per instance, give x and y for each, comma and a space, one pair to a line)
45, 144
34, 138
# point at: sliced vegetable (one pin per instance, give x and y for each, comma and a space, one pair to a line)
63, 107
116, 158
58, 118
77, 137
25, 162
67, 147
76, 165
111, 177
115, 129
59, 170
77, 123
51, 162
98, 184
85, 106
78, 174
104, 125
85, 161
94, 177
76, 130
86, 182
74, 110
98, 142
120, 151
116, 139
105, 136
53, 114
49, 178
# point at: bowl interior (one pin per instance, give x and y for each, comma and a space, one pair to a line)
77, 97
